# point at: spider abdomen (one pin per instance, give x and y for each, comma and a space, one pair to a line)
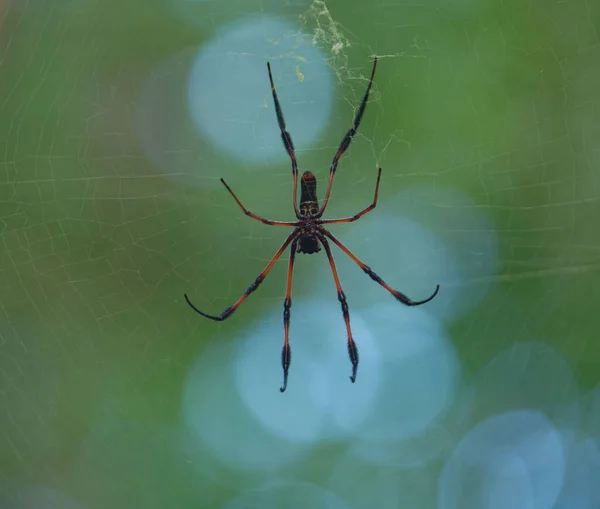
308, 244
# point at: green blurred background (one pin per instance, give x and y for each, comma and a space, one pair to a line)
99, 241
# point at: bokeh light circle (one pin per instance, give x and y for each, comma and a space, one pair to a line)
404, 253
319, 401
218, 420
420, 375
511, 460
425, 236
530, 374
230, 96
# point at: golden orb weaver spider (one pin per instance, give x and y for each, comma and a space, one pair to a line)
309, 233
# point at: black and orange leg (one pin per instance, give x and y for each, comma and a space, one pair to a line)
361, 213
286, 352
229, 311
367, 270
352, 350
347, 139
254, 216
286, 137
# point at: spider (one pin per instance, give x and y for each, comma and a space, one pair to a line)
309, 234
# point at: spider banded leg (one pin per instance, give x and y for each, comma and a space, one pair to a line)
361, 213
286, 353
254, 216
347, 139
229, 311
352, 350
287, 140
400, 296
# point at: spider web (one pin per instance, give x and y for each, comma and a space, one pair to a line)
484, 118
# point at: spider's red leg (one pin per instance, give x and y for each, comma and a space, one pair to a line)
286, 353
352, 350
229, 311
254, 216
286, 137
347, 139
400, 296
361, 213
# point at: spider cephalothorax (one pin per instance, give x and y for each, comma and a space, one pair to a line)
309, 233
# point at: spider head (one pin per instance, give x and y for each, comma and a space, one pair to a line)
308, 176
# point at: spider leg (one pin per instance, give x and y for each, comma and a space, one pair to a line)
361, 213
229, 311
286, 353
352, 350
254, 216
347, 139
286, 137
367, 270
